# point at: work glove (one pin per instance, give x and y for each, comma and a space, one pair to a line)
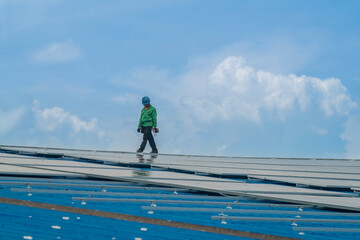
138, 130
156, 130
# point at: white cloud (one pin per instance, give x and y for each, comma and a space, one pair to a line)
49, 119
351, 137
334, 96
57, 52
237, 90
9, 120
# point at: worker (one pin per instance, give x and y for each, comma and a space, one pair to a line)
147, 124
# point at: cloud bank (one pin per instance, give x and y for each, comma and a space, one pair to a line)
49, 119
236, 90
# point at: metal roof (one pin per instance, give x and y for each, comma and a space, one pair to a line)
204, 196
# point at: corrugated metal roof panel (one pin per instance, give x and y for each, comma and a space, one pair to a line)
140, 194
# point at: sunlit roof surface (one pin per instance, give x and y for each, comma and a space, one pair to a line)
199, 197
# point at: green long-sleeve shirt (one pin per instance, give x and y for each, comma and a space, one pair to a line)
148, 117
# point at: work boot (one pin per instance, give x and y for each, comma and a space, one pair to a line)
154, 151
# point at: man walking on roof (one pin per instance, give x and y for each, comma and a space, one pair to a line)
148, 123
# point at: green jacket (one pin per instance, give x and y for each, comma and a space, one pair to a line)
148, 117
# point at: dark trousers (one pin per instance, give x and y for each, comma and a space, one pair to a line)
148, 137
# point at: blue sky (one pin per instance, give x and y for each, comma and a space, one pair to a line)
238, 78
